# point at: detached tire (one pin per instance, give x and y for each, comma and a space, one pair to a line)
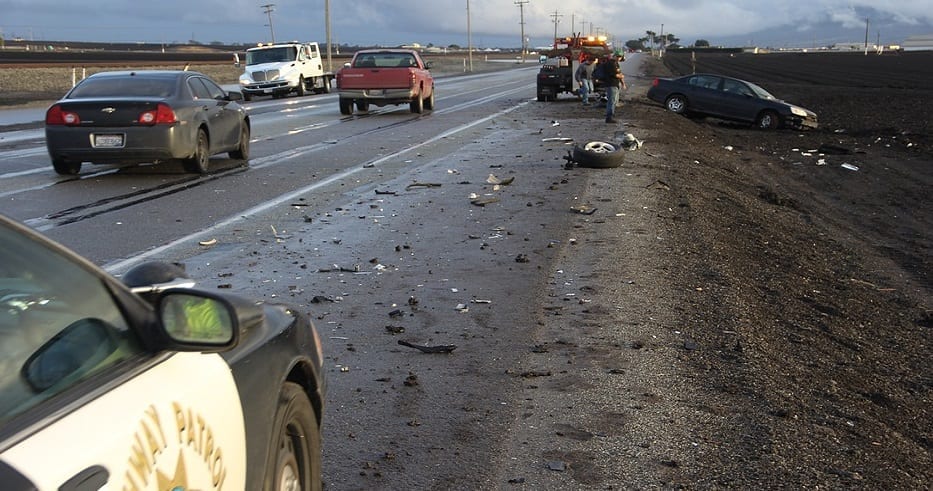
598, 155
295, 451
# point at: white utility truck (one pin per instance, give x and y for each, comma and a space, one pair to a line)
282, 68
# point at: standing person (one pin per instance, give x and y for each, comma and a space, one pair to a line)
582, 76
615, 81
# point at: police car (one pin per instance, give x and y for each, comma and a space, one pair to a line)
154, 387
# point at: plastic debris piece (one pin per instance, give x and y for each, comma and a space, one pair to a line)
207, 243
849, 167
492, 179
443, 348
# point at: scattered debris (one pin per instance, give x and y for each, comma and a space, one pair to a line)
395, 329
411, 380
393, 193
849, 167
207, 243
828, 149
659, 184
557, 466
422, 185
443, 348
396, 313
558, 139
484, 201
522, 258
478, 300
536, 373
321, 299
492, 179
583, 209
461, 308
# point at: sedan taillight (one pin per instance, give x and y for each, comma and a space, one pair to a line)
57, 116
162, 114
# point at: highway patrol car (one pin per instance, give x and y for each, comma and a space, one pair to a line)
103, 386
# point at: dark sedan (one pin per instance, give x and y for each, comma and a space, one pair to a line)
133, 117
149, 383
729, 98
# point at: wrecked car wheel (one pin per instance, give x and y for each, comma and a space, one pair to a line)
676, 104
598, 155
768, 120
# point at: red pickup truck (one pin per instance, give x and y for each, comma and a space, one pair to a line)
383, 77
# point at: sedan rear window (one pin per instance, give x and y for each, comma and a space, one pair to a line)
124, 87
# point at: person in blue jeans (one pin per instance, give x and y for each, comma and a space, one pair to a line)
615, 81
582, 76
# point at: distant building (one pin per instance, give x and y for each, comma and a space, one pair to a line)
923, 42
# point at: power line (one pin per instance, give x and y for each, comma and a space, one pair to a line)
556, 21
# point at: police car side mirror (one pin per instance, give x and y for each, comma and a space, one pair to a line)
70, 354
197, 320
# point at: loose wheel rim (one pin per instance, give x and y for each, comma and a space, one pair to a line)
599, 147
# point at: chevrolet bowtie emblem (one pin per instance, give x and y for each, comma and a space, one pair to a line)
108, 110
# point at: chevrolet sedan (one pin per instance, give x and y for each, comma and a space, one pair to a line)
148, 383
729, 98
133, 117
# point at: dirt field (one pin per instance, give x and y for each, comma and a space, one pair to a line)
807, 285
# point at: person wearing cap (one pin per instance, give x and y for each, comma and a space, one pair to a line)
615, 81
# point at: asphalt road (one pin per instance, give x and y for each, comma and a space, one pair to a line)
366, 222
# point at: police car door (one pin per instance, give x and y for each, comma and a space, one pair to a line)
84, 406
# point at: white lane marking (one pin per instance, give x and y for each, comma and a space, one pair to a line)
125, 264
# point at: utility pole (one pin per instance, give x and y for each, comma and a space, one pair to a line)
268, 9
661, 46
556, 18
866, 36
330, 61
469, 38
521, 8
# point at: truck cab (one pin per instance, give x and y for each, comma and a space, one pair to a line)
283, 68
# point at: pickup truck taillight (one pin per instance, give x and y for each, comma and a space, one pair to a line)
58, 117
412, 78
162, 114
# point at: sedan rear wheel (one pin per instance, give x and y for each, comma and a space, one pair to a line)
768, 120
199, 161
242, 149
676, 104
66, 167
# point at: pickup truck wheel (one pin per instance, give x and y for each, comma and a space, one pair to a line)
300, 90
417, 104
362, 105
325, 85
346, 107
246, 96
429, 102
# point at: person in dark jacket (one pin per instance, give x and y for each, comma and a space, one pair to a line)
615, 82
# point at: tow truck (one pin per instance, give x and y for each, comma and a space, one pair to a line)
556, 74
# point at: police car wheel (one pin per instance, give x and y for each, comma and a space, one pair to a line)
297, 445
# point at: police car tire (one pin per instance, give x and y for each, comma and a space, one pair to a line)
296, 448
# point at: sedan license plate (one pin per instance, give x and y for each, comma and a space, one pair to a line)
108, 141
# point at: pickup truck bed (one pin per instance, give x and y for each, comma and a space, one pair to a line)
383, 77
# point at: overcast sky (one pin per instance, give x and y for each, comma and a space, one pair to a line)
493, 23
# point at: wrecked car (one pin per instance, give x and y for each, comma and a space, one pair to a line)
728, 98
